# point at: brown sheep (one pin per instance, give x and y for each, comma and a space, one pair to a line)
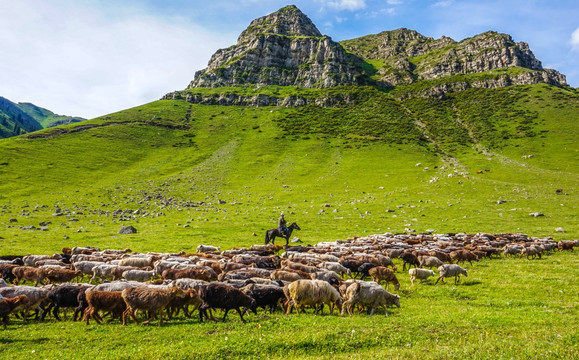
62, 275
191, 297
380, 273
108, 301
289, 275
30, 274
9, 305
152, 300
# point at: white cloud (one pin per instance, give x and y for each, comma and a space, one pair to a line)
347, 4
394, 2
78, 59
575, 39
443, 3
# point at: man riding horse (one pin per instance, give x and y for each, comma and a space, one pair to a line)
281, 225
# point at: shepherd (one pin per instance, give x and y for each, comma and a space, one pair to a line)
282, 230
281, 225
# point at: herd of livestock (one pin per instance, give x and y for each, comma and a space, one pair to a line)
119, 283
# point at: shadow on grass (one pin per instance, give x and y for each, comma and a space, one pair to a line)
35, 340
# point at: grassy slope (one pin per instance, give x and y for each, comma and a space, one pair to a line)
242, 155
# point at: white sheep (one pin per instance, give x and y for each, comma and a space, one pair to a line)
139, 275
208, 248
336, 267
369, 294
420, 274
448, 270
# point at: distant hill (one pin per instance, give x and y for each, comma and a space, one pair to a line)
21, 118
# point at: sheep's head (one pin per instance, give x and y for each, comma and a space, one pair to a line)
397, 300
177, 292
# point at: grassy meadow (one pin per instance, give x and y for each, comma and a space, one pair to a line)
186, 174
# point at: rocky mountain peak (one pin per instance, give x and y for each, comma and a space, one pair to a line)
283, 48
288, 21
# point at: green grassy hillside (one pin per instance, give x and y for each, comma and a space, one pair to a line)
46, 117
339, 172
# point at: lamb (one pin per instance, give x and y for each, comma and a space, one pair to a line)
222, 296
429, 261
10, 305
380, 273
369, 294
111, 301
336, 267
208, 248
420, 274
139, 275
152, 300
312, 292
448, 270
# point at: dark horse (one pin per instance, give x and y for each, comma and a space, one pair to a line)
270, 235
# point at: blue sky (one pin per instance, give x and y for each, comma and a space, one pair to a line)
93, 57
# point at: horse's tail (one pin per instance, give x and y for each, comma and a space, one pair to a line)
266, 237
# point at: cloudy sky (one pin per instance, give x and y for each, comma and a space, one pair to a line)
93, 57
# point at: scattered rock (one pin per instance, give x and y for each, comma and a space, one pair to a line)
296, 240
127, 230
221, 202
13, 220
536, 214
501, 201
559, 229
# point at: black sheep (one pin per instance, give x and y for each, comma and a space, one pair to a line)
63, 296
409, 259
217, 295
265, 295
364, 268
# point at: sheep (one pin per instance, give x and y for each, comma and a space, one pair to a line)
139, 275
86, 267
139, 262
104, 271
6, 272
152, 300
223, 296
288, 275
84, 250
336, 267
54, 275
369, 294
532, 251
512, 250
36, 295
463, 255
421, 274
380, 273
63, 296
566, 245
190, 283
265, 295
429, 261
312, 292
409, 259
191, 297
208, 248
448, 270
365, 268
328, 276
10, 305
442, 256
111, 301
297, 266
29, 273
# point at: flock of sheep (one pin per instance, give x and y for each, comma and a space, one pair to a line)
267, 276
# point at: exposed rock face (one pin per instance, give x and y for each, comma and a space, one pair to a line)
284, 48
259, 100
409, 56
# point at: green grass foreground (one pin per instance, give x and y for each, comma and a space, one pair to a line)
506, 309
